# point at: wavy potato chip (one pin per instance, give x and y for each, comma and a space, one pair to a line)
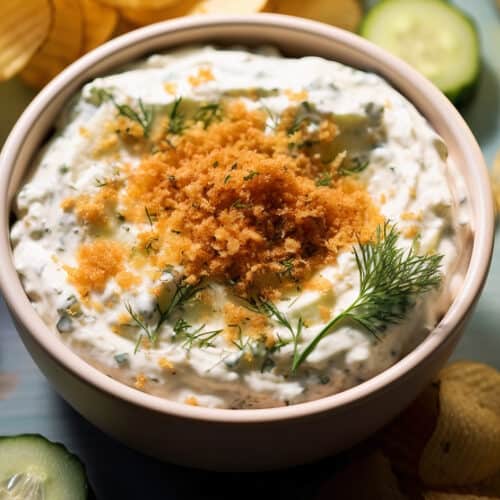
368, 477
99, 23
345, 14
404, 439
465, 446
24, 26
63, 45
140, 4
231, 7
143, 17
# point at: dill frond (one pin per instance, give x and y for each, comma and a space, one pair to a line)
390, 280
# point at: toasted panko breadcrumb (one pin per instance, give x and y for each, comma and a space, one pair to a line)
97, 262
232, 204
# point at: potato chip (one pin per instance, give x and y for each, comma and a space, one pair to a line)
232, 7
465, 446
368, 477
143, 17
342, 13
404, 439
495, 181
140, 4
24, 26
63, 45
99, 23
123, 26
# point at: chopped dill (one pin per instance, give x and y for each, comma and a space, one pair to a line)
304, 114
324, 180
250, 175
356, 167
267, 308
208, 113
143, 116
287, 268
239, 204
101, 182
151, 217
275, 119
176, 119
182, 294
226, 179
121, 358
194, 338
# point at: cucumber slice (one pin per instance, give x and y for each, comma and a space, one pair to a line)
433, 36
33, 468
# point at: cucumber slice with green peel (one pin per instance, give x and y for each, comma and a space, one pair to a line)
434, 36
33, 468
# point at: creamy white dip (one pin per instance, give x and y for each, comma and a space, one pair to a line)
407, 173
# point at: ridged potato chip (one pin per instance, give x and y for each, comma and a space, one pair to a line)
99, 23
24, 26
465, 446
143, 17
342, 13
404, 439
232, 7
140, 4
63, 45
368, 477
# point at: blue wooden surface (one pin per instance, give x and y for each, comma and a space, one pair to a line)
31, 405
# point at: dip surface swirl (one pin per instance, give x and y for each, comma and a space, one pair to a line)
194, 222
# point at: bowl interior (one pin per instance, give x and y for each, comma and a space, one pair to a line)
293, 37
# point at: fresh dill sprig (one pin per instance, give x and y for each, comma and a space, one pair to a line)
176, 119
194, 338
356, 167
390, 279
267, 308
144, 116
305, 112
208, 113
183, 293
138, 320
275, 119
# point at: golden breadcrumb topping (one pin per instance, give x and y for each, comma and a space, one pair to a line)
232, 204
97, 262
230, 201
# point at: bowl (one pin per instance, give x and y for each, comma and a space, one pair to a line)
222, 439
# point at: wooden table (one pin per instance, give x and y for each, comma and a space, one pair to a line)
31, 405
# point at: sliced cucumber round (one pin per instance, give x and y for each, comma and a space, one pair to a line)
33, 468
434, 36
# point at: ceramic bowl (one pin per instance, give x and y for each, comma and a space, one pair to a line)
223, 439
